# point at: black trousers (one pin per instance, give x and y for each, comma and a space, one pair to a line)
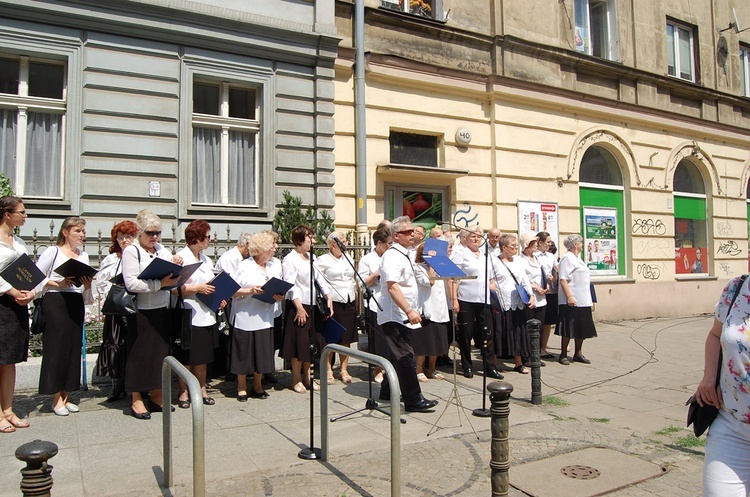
475, 321
401, 356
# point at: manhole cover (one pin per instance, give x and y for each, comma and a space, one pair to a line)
580, 472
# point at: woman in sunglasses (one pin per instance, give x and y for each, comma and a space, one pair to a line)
148, 331
111, 360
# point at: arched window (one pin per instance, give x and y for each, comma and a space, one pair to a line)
690, 228
601, 194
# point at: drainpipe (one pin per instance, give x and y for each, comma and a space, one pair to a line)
360, 128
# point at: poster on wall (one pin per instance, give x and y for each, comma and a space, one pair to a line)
690, 260
600, 239
423, 208
539, 216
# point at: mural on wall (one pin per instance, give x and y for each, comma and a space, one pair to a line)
464, 217
600, 239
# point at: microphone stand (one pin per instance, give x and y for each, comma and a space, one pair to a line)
484, 412
370, 404
311, 452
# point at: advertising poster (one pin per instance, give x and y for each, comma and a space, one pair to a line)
600, 239
690, 260
423, 208
539, 216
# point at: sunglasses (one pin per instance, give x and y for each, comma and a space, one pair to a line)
153, 233
405, 232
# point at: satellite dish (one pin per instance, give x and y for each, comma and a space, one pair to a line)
736, 24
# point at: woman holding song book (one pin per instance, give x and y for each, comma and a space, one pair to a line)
14, 312
63, 309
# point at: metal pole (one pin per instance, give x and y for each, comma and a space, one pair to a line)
360, 128
534, 326
196, 402
500, 454
395, 409
36, 477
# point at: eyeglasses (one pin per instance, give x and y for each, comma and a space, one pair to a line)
125, 238
405, 232
23, 213
153, 233
207, 237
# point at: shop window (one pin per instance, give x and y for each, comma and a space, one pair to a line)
424, 206
601, 196
413, 149
745, 69
225, 144
596, 28
691, 233
432, 9
32, 125
681, 52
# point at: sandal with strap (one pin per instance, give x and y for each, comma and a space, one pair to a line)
330, 380
521, 369
346, 377
421, 377
17, 422
299, 388
9, 428
435, 375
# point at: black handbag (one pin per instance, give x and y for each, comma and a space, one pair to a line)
321, 302
119, 301
182, 326
38, 322
699, 416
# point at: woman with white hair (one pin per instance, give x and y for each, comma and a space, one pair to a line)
337, 269
148, 331
252, 339
576, 321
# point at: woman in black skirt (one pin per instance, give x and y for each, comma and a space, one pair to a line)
337, 269
299, 308
204, 336
111, 361
546, 255
431, 340
14, 313
148, 331
63, 308
252, 339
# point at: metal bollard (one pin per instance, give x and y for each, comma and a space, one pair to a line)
534, 327
500, 453
36, 477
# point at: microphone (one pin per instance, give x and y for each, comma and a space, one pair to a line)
406, 321
338, 242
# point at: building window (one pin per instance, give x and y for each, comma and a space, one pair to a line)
413, 149
226, 131
681, 55
32, 125
745, 69
596, 28
691, 233
432, 9
424, 206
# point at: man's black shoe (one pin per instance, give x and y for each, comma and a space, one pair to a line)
468, 373
494, 373
423, 405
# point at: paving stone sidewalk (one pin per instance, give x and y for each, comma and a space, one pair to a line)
630, 399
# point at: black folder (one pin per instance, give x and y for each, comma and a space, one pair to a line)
159, 268
76, 269
22, 274
225, 287
271, 288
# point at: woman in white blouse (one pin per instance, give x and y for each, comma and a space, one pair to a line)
112, 355
204, 338
431, 340
533, 268
63, 308
252, 339
337, 269
148, 331
576, 321
512, 318
300, 307
14, 311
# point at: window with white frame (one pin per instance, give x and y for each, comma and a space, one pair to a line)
432, 9
745, 69
32, 124
596, 28
681, 56
226, 131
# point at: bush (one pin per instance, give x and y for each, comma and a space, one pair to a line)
291, 214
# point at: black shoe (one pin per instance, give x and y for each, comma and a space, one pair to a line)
494, 373
118, 391
183, 404
242, 398
423, 405
140, 415
208, 401
468, 373
384, 398
257, 395
154, 407
270, 379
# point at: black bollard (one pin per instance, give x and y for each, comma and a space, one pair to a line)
36, 477
500, 453
534, 327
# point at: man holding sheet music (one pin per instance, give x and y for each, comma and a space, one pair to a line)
400, 314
